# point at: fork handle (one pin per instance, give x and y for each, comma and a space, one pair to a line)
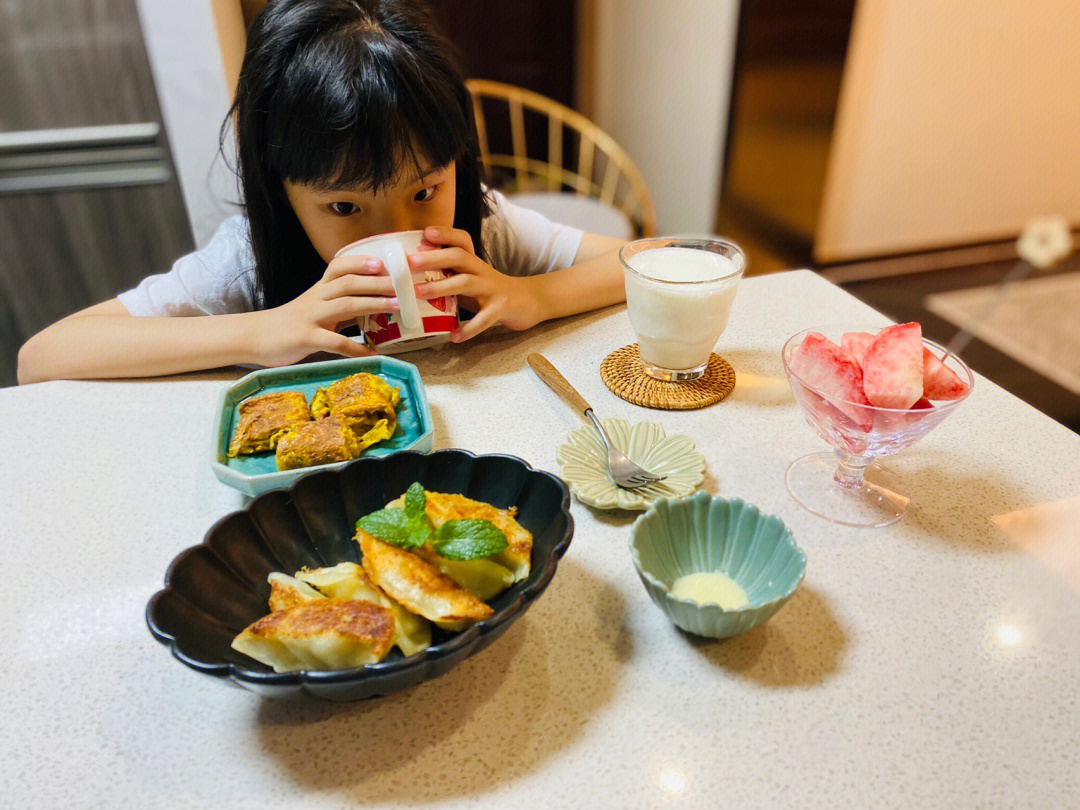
608, 443
549, 374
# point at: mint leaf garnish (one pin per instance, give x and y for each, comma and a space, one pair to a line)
394, 527
419, 533
404, 528
410, 528
468, 539
415, 501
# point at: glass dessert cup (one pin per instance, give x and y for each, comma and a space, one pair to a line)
849, 486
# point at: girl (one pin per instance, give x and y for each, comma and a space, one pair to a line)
351, 120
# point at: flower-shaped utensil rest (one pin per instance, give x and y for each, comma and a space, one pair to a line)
583, 464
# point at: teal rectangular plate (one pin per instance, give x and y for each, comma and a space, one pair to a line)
258, 473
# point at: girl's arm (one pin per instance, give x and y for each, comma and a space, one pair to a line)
105, 340
595, 280
593, 245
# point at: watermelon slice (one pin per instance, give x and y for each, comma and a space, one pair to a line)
893, 367
940, 381
823, 365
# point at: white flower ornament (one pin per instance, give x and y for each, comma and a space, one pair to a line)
1045, 241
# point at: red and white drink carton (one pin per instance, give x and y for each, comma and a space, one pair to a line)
418, 324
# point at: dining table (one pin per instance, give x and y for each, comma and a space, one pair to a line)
933, 663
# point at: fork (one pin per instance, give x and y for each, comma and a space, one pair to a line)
624, 472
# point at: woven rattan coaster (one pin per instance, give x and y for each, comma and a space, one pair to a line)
622, 371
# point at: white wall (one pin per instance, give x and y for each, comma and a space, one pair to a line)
957, 123
185, 58
662, 79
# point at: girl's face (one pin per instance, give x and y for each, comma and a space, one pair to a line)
334, 219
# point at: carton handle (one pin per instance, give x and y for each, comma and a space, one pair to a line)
397, 265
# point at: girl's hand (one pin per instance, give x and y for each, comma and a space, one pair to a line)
496, 297
351, 287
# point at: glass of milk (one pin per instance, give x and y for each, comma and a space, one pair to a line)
678, 295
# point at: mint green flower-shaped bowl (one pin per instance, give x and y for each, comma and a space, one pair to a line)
703, 533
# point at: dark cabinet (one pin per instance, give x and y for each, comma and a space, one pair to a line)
89, 201
528, 43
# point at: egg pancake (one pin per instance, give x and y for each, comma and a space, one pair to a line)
442, 506
376, 433
320, 442
322, 634
361, 399
418, 585
265, 418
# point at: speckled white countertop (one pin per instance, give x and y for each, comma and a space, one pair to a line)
934, 663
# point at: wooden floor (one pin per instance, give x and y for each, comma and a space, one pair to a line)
760, 259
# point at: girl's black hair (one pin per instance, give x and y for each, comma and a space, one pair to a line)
337, 93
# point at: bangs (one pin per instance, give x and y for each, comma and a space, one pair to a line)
354, 110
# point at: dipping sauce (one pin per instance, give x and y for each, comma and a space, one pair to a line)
710, 588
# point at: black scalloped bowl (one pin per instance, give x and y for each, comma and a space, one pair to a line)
214, 590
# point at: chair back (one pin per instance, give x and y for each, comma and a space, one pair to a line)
578, 157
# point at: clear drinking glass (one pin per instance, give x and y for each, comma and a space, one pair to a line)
678, 295
848, 486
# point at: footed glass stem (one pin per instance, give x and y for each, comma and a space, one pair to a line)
848, 489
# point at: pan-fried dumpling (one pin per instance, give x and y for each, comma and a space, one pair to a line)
441, 507
286, 591
322, 634
347, 581
419, 586
483, 578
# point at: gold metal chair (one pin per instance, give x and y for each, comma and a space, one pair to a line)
579, 156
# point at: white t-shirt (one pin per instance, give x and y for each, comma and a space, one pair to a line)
220, 278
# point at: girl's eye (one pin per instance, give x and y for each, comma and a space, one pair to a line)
344, 209
426, 194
